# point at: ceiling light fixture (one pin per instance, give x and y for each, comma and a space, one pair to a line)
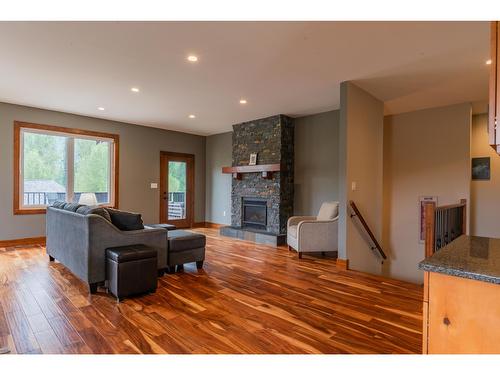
488, 62
192, 58
134, 89
100, 108
192, 116
243, 101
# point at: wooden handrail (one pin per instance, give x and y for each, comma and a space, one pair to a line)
463, 202
357, 213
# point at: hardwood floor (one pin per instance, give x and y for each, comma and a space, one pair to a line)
248, 299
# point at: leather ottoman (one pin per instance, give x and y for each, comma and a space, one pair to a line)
185, 247
131, 270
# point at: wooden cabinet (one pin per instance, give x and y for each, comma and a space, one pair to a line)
494, 90
460, 315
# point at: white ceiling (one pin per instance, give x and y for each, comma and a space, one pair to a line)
294, 68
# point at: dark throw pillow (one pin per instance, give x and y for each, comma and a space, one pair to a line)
94, 210
59, 204
124, 220
72, 207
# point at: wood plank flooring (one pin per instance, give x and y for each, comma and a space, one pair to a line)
248, 299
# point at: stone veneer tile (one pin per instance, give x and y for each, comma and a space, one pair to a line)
272, 138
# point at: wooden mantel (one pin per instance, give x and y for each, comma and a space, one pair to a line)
266, 170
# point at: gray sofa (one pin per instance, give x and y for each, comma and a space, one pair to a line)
80, 242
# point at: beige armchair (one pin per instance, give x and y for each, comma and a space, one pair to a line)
314, 233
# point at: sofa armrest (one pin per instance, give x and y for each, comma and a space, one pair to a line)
318, 235
295, 220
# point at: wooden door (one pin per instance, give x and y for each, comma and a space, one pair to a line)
177, 189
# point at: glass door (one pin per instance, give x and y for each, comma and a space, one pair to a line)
176, 205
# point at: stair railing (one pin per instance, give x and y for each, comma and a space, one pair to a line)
443, 224
374, 245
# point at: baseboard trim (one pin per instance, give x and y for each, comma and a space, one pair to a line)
342, 264
23, 241
200, 224
207, 224
213, 225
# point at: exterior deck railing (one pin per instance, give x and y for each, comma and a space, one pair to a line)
176, 201
46, 199
176, 205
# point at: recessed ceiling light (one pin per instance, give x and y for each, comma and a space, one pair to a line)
488, 62
192, 116
134, 89
243, 101
192, 58
100, 108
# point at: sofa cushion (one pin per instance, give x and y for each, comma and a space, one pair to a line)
72, 207
328, 211
181, 240
124, 220
59, 204
292, 230
94, 210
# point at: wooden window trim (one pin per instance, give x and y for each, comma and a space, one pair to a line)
115, 166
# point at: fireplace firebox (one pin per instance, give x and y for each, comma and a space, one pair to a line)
254, 213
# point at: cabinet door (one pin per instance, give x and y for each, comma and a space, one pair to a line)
492, 104
463, 316
495, 70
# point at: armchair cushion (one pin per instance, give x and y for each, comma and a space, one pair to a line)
328, 211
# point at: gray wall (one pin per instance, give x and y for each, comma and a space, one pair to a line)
139, 165
316, 161
218, 188
316, 167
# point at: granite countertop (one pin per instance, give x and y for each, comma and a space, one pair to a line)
476, 258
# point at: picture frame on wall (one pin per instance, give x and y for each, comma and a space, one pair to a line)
481, 168
253, 159
421, 203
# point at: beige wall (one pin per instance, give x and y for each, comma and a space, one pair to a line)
140, 148
361, 161
426, 152
485, 195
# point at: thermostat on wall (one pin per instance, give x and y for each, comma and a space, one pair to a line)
154, 185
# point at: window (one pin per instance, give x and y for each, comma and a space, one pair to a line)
54, 163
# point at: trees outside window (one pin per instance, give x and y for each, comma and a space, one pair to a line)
62, 164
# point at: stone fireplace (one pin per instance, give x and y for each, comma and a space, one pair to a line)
262, 202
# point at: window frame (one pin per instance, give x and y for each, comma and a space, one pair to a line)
19, 126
